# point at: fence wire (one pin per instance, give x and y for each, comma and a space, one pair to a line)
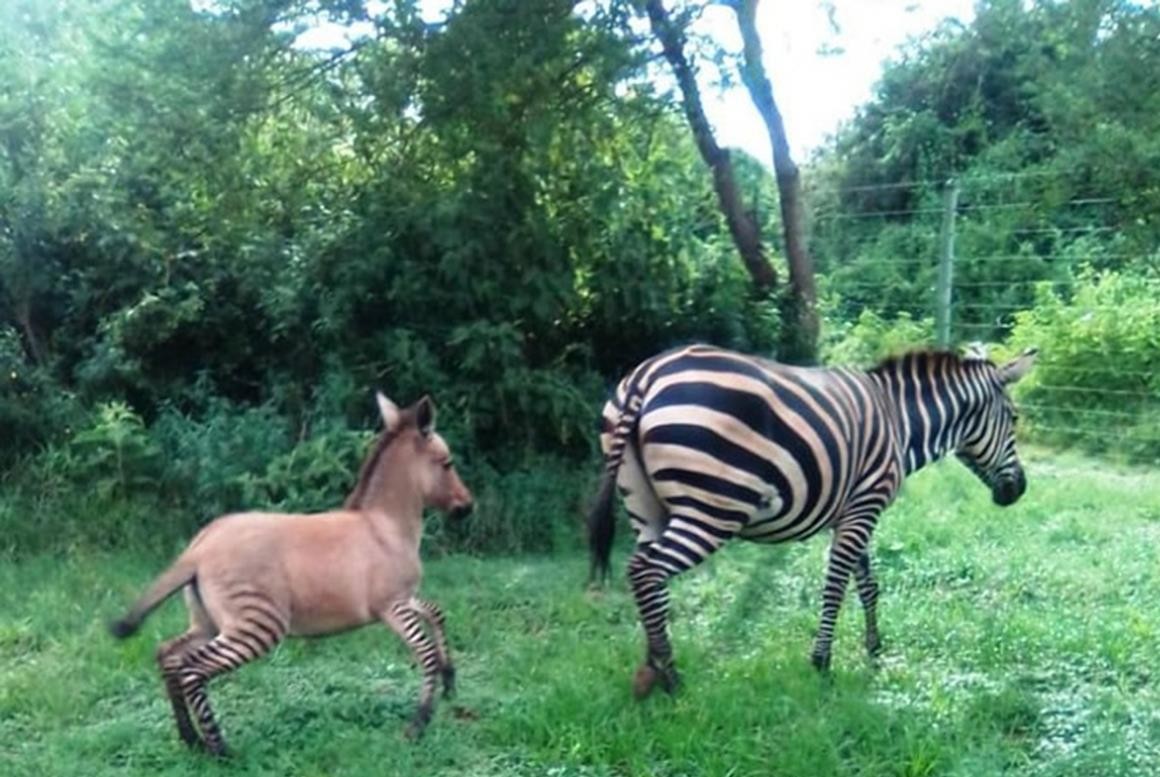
1015, 238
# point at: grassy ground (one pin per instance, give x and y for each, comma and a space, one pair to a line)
1023, 641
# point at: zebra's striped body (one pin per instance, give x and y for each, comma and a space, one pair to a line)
707, 445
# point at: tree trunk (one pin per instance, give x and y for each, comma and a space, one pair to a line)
801, 315
22, 312
742, 226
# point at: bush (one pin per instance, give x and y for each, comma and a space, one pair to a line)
528, 509
312, 476
872, 338
1096, 382
34, 411
211, 459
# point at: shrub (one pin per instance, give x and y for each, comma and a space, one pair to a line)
1096, 382
211, 458
872, 338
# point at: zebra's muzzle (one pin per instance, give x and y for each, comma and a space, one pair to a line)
1008, 490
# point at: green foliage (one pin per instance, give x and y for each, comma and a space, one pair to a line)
33, 409
314, 475
873, 338
537, 508
1096, 379
237, 238
212, 459
114, 454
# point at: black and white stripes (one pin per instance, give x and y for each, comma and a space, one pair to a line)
706, 445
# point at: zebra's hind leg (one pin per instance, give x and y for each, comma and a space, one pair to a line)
683, 544
169, 657
868, 593
848, 546
225, 652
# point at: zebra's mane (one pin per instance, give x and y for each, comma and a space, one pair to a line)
930, 356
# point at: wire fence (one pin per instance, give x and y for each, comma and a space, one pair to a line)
991, 258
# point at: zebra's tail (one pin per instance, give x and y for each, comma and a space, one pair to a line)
602, 517
181, 574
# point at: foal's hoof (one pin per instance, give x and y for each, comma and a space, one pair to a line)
218, 751
448, 681
419, 724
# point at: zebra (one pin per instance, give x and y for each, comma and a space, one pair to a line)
705, 445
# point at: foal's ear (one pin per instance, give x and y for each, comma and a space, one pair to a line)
1015, 369
425, 416
388, 410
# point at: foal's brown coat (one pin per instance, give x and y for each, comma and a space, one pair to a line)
251, 579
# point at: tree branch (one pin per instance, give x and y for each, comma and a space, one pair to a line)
742, 226
801, 266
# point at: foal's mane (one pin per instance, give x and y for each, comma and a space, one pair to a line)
371, 462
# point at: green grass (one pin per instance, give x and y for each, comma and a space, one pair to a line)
1023, 641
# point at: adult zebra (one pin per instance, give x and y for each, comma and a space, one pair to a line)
707, 444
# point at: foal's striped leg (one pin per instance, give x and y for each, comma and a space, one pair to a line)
169, 658
404, 621
227, 651
431, 613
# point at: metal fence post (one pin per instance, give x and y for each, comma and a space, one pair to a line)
946, 259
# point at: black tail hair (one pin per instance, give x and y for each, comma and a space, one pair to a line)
602, 528
602, 517
124, 628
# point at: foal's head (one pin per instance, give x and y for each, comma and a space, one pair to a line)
410, 454
988, 448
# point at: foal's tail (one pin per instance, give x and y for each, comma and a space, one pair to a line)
180, 574
602, 518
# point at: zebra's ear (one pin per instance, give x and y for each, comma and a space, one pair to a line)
1014, 370
388, 410
975, 351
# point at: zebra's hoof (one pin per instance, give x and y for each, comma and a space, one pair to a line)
644, 681
821, 662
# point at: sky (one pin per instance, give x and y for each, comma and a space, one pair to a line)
815, 91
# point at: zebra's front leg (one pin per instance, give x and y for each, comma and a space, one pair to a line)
868, 593
848, 547
683, 544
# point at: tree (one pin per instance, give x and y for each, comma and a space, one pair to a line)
801, 338
741, 223
800, 321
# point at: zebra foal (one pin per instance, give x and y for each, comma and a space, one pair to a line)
706, 445
252, 579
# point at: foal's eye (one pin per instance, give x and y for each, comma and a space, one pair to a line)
448, 464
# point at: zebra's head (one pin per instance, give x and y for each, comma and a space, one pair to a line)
988, 447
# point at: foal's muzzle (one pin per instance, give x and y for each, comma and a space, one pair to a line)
461, 512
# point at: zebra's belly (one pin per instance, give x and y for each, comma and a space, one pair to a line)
773, 531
